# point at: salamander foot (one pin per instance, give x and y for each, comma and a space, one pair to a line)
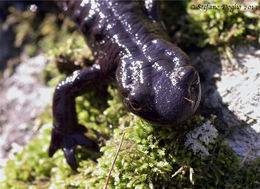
68, 143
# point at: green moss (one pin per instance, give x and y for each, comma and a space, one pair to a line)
196, 24
38, 33
150, 157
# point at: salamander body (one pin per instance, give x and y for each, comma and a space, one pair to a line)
131, 46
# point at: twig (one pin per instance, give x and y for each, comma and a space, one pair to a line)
182, 168
246, 156
113, 163
189, 100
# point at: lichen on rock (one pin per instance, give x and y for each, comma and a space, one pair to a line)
200, 137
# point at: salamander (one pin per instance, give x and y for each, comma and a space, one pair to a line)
130, 45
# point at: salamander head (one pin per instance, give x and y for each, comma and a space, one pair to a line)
170, 99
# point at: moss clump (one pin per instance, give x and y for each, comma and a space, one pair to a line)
150, 157
38, 32
218, 23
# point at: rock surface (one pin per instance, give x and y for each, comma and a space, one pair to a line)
231, 91
23, 97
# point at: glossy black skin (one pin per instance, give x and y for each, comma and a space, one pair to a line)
130, 45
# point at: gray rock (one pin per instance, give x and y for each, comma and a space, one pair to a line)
231, 91
23, 97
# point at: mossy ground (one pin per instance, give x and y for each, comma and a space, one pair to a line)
150, 157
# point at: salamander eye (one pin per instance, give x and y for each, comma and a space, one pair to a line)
135, 105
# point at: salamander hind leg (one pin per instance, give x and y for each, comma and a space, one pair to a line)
66, 132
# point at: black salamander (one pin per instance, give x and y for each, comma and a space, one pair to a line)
129, 43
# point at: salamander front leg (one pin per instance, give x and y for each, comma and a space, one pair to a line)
66, 132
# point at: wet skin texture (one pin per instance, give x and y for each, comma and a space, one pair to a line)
130, 45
